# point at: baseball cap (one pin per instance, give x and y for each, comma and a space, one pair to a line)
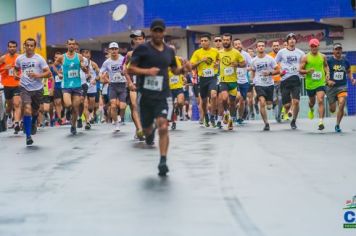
113, 45
137, 33
291, 35
337, 45
158, 24
314, 42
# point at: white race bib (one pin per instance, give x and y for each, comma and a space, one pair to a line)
11, 72
208, 72
73, 74
317, 75
118, 78
339, 75
228, 71
174, 79
153, 83
293, 69
57, 79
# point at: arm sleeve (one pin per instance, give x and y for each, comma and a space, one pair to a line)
194, 59
278, 58
43, 63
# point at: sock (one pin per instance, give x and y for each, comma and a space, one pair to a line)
27, 125
321, 120
163, 159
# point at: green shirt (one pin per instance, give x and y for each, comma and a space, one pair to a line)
316, 79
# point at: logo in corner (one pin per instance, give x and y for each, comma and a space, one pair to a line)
350, 214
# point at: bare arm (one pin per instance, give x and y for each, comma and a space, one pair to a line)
56, 63
82, 65
302, 69
326, 69
45, 74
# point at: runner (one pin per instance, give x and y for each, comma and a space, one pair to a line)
277, 97
151, 61
117, 82
11, 85
337, 84
263, 68
243, 81
176, 84
218, 42
90, 99
230, 59
138, 38
205, 60
289, 59
251, 93
57, 94
316, 70
71, 63
33, 69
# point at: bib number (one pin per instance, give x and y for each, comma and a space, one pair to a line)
317, 75
228, 71
208, 72
293, 69
57, 79
11, 72
118, 78
73, 74
174, 79
338, 75
153, 83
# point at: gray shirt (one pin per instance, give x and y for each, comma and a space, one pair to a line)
289, 61
114, 69
34, 64
242, 73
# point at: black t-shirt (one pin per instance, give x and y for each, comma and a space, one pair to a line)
146, 56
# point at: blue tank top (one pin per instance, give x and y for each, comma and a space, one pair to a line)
71, 72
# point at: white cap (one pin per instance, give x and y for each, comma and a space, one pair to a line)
113, 45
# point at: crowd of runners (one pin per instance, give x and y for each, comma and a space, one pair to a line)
230, 85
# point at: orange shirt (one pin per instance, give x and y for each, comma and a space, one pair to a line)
276, 78
7, 75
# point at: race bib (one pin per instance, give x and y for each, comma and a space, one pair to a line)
118, 78
174, 79
73, 74
241, 72
153, 83
27, 72
11, 72
339, 75
228, 71
317, 75
208, 72
293, 69
57, 79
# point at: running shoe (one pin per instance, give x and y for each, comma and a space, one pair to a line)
266, 128
162, 169
29, 141
80, 123
206, 121
87, 126
321, 125
293, 124
239, 121
150, 138
338, 129
311, 114
212, 121
17, 128
219, 125
73, 130
226, 118
140, 135
174, 125
116, 126
230, 125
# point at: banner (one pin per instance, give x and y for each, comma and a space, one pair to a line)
35, 28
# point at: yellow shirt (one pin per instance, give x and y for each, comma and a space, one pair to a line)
208, 68
227, 71
176, 81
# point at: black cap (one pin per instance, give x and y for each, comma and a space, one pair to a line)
158, 24
137, 33
337, 45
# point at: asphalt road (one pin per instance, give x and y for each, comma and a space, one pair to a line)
221, 183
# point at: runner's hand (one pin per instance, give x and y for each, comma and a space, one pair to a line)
153, 71
33, 75
265, 73
132, 87
311, 71
331, 83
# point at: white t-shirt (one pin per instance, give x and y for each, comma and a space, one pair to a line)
289, 61
92, 86
242, 73
260, 65
114, 69
34, 64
